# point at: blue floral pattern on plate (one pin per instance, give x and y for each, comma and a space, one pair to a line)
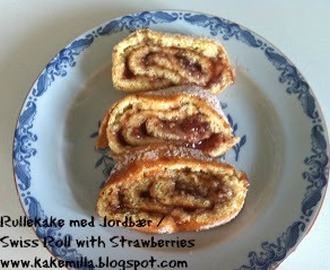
316, 174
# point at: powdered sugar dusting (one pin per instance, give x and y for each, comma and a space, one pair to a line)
155, 153
191, 90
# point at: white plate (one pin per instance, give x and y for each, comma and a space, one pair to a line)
284, 150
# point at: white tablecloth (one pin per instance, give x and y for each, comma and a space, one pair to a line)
32, 32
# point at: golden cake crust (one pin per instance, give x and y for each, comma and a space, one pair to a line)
186, 116
178, 189
149, 60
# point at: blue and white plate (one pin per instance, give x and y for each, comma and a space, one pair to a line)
284, 151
